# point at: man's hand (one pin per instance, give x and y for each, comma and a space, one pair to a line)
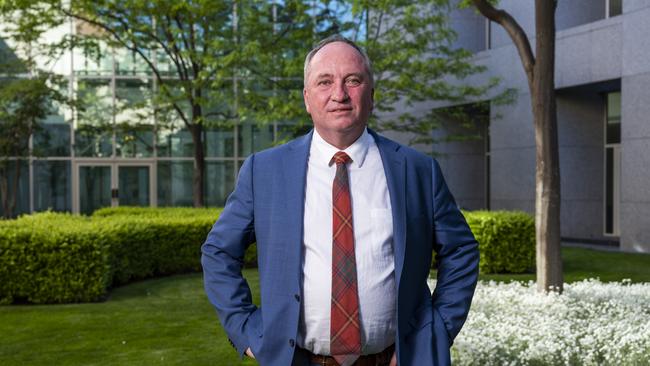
250, 354
393, 360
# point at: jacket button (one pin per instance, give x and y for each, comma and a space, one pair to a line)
297, 297
292, 343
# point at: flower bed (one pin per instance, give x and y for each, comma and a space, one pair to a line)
590, 323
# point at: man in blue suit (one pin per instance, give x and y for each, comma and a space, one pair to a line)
345, 222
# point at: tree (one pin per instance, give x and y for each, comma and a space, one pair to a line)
24, 102
540, 71
27, 96
234, 62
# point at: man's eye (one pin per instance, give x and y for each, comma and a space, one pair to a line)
324, 82
353, 81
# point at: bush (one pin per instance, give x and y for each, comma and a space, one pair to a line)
52, 257
55, 257
506, 240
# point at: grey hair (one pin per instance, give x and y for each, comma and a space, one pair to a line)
338, 38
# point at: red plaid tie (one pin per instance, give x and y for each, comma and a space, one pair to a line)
345, 332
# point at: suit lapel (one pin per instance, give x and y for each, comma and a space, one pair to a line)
395, 169
294, 171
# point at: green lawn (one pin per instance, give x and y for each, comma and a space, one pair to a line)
580, 264
159, 321
169, 320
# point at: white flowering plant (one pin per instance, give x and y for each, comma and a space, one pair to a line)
590, 323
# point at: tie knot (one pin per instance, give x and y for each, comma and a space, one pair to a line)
340, 158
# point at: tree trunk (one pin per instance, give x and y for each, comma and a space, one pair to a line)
4, 182
547, 177
199, 162
540, 71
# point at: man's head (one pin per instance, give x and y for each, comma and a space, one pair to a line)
338, 90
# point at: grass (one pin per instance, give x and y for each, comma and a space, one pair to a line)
159, 321
580, 264
169, 320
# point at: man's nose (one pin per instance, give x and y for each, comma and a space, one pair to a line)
340, 92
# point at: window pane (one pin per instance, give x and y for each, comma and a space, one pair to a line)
175, 183
615, 7
614, 105
94, 129
16, 201
173, 137
219, 182
53, 136
289, 131
613, 132
253, 138
133, 189
52, 186
219, 143
94, 188
128, 62
92, 62
609, 190
133, 118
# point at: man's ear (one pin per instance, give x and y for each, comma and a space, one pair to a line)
304, 98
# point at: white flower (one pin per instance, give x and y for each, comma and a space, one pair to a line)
590, 323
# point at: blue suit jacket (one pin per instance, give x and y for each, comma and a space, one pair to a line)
267, 207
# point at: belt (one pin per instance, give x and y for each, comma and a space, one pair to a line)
377, 359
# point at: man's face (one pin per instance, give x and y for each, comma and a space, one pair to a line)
338, 91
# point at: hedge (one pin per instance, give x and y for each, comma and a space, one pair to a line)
506, 240
51, 257
58, 257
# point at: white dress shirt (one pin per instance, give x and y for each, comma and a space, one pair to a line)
373, 240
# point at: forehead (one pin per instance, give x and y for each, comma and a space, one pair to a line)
337, 57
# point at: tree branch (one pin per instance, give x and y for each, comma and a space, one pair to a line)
515, 32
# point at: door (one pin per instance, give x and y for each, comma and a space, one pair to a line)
113, 184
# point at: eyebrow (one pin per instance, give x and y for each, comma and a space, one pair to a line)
325, 75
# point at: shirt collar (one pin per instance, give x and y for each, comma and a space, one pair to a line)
357, 151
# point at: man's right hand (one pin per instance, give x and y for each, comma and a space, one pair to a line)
249, 353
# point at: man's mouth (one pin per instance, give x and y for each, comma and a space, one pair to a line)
339, 110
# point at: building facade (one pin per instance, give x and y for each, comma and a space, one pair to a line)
114, 150
603, 106
99, 156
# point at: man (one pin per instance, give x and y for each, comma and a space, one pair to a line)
345, 222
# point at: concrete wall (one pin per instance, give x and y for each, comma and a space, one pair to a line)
463, 163
581, 163
593, 56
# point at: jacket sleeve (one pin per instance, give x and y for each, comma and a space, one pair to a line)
457, 257
222, 260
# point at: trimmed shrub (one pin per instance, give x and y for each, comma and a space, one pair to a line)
52, 257
56, 257
506, 240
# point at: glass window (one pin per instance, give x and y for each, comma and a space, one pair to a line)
173, 137
175, 183
52, 186
128, 62
133, 118
52, 138
94, 188
253, 138
15, 201
219, 182
94, 127
613, 130
615, 7
92, 60
220, 142
289, 131
133, 188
